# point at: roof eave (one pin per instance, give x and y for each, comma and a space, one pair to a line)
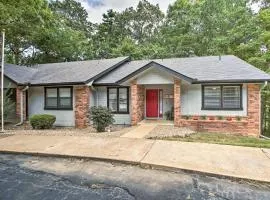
55, 84
231, 81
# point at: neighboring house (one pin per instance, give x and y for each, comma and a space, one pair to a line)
198, 87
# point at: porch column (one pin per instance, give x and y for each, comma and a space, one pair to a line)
82, 103
19, 95
137, 103
177, 102
253, 109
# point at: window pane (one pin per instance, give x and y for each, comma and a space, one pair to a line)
65, 97
113, 99
65, 92
231, 97
51, 102
212, 97
160, 102
51, 97
123, 100
65, 102
51, 92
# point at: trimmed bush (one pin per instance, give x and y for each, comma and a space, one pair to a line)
203, 117
43, 121
101, 117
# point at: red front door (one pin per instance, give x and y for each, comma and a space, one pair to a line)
151, 103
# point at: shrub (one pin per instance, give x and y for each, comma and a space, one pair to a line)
43, 121
170, 114
101, 117
220, 117
238, 118
186, 117
203, 117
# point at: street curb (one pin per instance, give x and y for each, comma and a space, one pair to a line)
138, 163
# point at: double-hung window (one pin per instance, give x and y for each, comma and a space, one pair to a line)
118, 99
222, 97
59, 98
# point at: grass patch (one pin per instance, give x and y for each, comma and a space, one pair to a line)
218, 138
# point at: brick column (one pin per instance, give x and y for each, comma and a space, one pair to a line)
82, 103
18, 103
253, 109
137, 103
177, 102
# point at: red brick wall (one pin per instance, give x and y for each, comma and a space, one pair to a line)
18, 103
249, 125
137, 102
177, 101
82, 103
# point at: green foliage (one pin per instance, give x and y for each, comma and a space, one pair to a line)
203, 117
170, 114
220, 117
102, 117
186, 117
42, 121
9, 105
238, 118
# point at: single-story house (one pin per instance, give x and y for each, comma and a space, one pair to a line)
212, 93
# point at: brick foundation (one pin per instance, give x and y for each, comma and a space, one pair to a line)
177, 101
82, 103
18, 103
249, 125
137, 102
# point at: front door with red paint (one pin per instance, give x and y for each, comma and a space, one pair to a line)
152, 103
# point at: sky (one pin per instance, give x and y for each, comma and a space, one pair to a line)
96, 8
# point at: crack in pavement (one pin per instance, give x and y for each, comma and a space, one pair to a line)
56, 180
265, 153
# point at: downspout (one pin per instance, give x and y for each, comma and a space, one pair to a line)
23, 90
262, 136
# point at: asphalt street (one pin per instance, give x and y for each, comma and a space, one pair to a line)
28, 177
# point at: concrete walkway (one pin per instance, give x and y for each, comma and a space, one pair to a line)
141, 131
240, 162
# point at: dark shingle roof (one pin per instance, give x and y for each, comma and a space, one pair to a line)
62, 73
116, 70
19, 74
74, 72
200, 69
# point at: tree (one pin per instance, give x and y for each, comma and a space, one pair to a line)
22, 20
207, 28
128, 29
9, 105
73, 14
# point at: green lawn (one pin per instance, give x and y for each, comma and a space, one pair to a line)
217, 138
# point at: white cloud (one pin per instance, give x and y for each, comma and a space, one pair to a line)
96, 8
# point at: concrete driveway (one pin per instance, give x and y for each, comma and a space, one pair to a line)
240, 162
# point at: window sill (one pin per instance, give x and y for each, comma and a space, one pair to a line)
223, 109
58, 108
124, 113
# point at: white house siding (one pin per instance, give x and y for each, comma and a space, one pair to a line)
100, 96
154, 76
36, 106
191, 102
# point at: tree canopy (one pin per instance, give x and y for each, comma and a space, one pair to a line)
41, 31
